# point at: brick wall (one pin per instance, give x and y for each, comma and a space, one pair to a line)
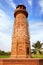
21, 61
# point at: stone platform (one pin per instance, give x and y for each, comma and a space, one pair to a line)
23, 61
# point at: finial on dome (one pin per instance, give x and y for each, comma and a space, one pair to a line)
20, 5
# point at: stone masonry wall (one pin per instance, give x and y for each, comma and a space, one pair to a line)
21, 61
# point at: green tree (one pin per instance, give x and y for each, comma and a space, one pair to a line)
37, 46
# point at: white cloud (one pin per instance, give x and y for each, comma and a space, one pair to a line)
6, 24
5, 41
30, 2
36, 31
11, 3
41, 5
5, 31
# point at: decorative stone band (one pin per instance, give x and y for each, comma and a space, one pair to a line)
20, 11
18, 56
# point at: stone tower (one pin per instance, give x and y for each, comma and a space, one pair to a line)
20, 38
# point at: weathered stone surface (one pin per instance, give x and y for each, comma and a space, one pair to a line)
24, 61
20, 38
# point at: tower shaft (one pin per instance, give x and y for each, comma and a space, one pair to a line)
20, 38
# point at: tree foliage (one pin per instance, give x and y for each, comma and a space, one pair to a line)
37, 47
4, 53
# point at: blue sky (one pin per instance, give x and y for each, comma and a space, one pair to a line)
35, 20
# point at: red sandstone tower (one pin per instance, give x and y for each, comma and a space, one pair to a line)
20, 38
